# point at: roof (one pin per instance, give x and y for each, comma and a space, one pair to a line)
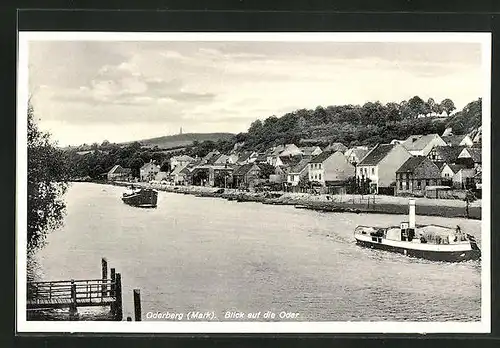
261, 157
290, 161
149, 163
308, 150
376, 155
448, 154
182, 158
418, 142
454, 139
411, 164
244, 156
178, 169
359, 153
117, 169
299, 167
336, 147
242, 170
457, 167
475, 153
322, 156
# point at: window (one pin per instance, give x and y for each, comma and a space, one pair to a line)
319, 176
427, 182
373, 171
419, 183
401, 185
319, 165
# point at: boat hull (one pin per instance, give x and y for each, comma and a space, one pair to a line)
141, 199
471, 252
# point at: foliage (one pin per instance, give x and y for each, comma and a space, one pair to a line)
47, 183
266, 170
467, 119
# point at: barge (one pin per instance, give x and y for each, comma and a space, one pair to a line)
143, 198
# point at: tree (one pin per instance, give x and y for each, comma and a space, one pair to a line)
448, 106
266, 170
165, 166
47, 183
417, 105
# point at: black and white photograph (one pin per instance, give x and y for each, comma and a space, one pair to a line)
253, 182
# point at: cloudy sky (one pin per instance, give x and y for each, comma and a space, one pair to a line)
88, 91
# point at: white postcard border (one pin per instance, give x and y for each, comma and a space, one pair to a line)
484, 326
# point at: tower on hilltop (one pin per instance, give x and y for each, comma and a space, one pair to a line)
180, 132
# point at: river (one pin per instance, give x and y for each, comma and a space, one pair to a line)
207, 254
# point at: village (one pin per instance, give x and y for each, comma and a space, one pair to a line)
445, 166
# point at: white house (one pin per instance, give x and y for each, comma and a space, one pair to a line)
161, 176
421, 145
298, 172
356, 154
149, 171
380, 165
471, 156
180, 161
310, 151
330, 167
457, 175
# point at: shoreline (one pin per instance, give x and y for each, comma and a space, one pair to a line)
327, 203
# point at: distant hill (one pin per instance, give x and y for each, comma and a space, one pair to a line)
181, 140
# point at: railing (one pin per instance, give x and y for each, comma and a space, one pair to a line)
88, 289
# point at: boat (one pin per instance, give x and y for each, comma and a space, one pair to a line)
144, 198
431, 242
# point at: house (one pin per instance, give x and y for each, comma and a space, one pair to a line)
334, 147
178, 174
261, 158
287, 161
355, 155
416, 174
245, 157
220, 176
180, 161
458, 176
460, 140
476, 135
471, 157
310, 151
330, 166
222, 159
421, 145
289, 150
298, 172
246, 175
445, 154
233, 158
280, 174
148, 171
209, 155
161, 176
380, 165
119, 173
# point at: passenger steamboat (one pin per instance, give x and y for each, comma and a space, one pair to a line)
431, 242
144, 198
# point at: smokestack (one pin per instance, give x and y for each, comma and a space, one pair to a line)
411, 214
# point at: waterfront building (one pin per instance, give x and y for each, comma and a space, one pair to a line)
330, 167
380, 165
119, 173
148, 171
416, 174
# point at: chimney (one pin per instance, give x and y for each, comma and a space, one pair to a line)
411, 214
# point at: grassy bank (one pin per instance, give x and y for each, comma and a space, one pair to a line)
331, 203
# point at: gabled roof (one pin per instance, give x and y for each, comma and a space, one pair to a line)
178, 169
456, 167
149, 164
454, 139
244, 156
449, 154
261, 157
376, 155
299, 167
118, 169
242, 170
322, 156
290, 160
308, 150
336, 147
475, 153
359, 153
411, 164
418, 142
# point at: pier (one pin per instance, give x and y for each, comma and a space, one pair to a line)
71, 294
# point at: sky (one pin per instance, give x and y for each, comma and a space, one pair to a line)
90, 91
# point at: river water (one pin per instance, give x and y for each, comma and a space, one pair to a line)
208, 254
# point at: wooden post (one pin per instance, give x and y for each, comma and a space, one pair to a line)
104, 269
119, 303
129, 319
137, 305
72, 308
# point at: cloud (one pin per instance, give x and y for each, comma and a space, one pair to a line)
123, 84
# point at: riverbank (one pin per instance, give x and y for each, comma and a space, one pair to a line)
375, 204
